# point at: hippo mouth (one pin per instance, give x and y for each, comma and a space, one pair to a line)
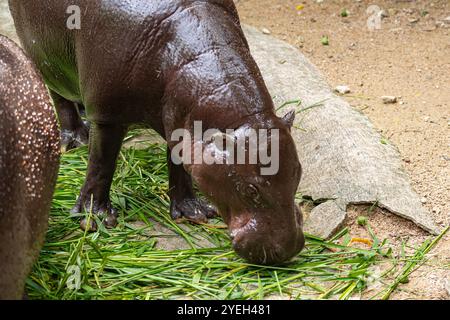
268, 240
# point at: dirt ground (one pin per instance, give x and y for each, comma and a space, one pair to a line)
409, 57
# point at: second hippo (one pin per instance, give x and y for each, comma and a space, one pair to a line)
29, 160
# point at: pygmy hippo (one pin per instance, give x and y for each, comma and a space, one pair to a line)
165, 65
29, 160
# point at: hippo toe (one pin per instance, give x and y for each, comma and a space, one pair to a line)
102, 209
194, 210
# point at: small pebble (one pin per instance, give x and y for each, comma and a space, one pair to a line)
389, 99
423, 200
384, 14
265, 31
342, 89
436, 210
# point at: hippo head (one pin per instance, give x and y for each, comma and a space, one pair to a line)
256, 199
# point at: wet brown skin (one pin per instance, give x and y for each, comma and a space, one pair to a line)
29, 159
164, 65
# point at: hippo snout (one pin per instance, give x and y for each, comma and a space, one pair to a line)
269, 241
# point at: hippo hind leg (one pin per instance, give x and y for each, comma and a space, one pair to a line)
183, 202
74, 132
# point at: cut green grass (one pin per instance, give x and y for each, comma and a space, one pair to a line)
128, 263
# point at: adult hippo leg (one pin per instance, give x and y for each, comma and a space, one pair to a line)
183, 202
74, 132
104, 146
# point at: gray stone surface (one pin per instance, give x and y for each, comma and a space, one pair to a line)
326, 218
344, 159
342, 155
6, 22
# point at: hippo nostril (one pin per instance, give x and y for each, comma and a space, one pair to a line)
241, 226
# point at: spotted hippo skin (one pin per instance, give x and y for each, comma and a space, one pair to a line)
29, 159
166, 64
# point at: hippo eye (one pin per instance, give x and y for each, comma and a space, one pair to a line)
251, 191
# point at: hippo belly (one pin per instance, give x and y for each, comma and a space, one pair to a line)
29, 159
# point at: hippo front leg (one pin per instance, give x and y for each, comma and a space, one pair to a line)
183, 202
74, 132
104, 146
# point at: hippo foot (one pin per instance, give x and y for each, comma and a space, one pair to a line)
71, 139
194, 210
105, 212
109, 222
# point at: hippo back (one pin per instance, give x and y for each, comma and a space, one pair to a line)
29, 159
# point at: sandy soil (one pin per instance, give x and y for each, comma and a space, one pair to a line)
409, 57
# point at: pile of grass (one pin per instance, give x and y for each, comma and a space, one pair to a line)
125, 263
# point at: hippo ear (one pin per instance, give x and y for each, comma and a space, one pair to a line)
289, 118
